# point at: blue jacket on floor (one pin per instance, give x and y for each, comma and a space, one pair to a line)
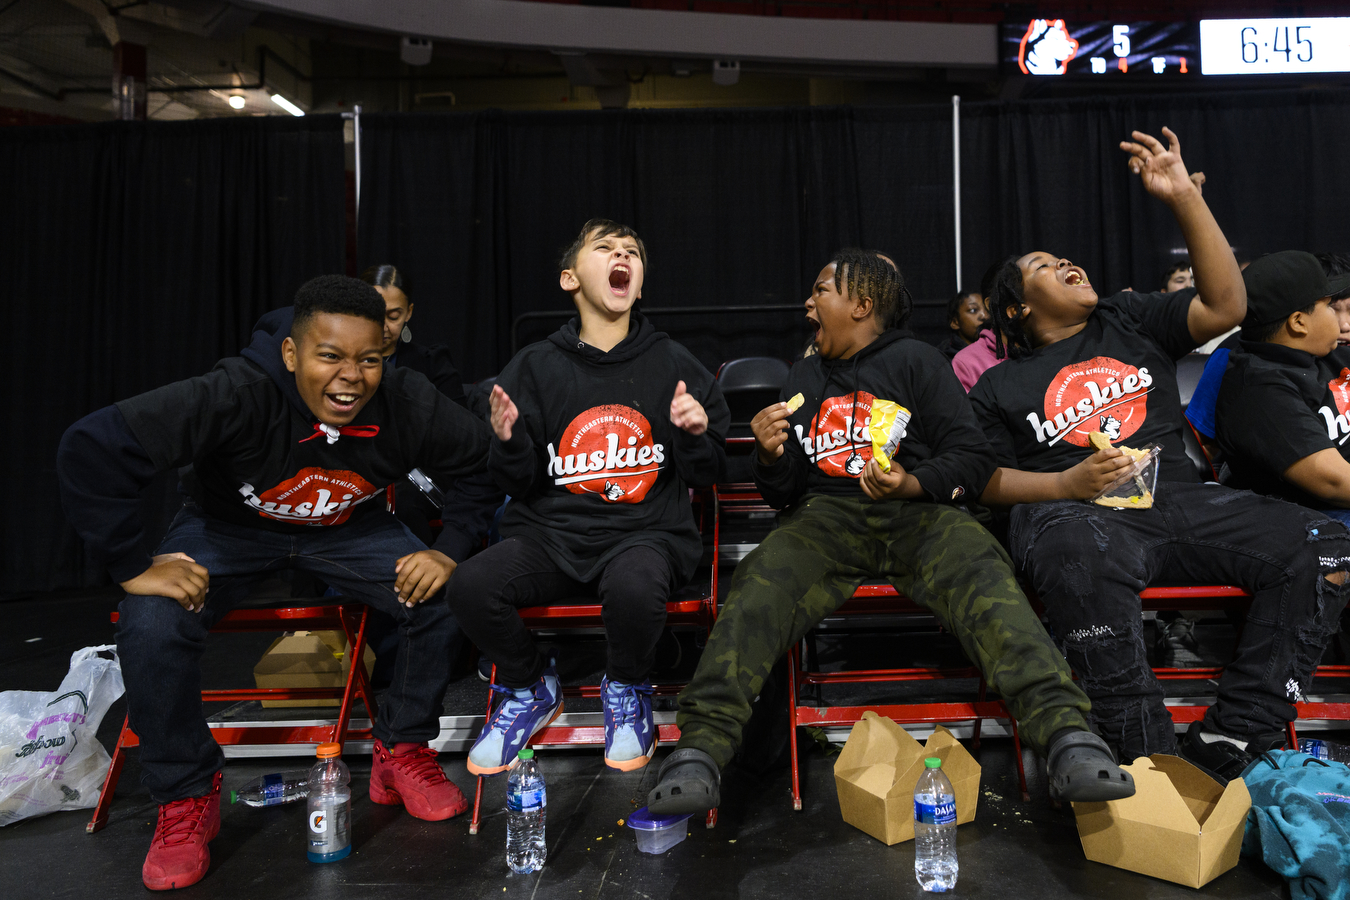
1299, 823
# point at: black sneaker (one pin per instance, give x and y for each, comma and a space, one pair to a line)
1222, 760
1177, 646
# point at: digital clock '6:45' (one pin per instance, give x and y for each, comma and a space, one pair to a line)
1273, 46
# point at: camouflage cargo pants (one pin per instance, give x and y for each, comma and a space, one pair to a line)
937, 555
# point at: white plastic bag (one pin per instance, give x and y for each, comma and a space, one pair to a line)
50, 757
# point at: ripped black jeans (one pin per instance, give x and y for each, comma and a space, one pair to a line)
1088, 563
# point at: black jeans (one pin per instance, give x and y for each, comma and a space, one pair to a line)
489, 587
160, 643
1088, 564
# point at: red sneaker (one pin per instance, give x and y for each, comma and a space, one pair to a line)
178, 853
409, 774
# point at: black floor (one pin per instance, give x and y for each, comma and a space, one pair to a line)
760, 847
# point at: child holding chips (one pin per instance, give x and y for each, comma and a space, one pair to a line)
868, 460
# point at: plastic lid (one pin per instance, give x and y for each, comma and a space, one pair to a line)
933, 762
328, 751
641, 820
527, 753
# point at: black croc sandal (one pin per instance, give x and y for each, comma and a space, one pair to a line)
1083, 769
688, 783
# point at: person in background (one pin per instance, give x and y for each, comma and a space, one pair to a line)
966, 315
1178, 276
971, 361
464, 506
399, 347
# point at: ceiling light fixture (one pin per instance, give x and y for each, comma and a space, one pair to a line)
287, 105
236, 101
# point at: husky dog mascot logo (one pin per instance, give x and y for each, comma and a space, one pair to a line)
1046, 48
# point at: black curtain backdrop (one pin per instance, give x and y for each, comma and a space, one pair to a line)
743, 207
134, 255
1051, 176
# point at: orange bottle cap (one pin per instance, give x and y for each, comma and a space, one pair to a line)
328, 751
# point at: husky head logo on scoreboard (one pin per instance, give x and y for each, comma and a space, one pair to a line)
1046, 48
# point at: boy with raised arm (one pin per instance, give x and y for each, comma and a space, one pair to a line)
292, 446
1081, 365
848, 519
600, 432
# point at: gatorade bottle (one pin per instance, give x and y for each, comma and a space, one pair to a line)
328, 827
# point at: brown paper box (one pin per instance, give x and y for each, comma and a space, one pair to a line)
878, 768
306, 659
1180, 825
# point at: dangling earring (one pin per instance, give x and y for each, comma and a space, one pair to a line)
406, 336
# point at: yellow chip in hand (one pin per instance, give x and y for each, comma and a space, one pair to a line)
795, 403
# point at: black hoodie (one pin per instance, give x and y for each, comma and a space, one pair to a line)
257, 454
830, 441
594, 465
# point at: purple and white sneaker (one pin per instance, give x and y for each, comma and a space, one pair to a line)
517, 717
630, 730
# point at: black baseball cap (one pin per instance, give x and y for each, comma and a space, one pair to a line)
1283, 283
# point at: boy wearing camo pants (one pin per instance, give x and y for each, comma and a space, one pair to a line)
847, 521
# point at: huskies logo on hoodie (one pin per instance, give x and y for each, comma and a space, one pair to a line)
1099, 394
313, 497
1337, 421
839, 442
607, 450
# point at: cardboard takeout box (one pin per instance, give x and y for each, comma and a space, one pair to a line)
1180, 825
306, 659
878, 768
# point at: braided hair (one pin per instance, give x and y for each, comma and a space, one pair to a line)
871, 273
1005, 290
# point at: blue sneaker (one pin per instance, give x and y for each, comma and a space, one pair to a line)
630, 730
517, 717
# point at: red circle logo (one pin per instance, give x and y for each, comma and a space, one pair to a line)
607, 450
1340, 390
1099, 394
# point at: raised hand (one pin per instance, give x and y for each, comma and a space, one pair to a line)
1160, 168
173, 575
504, 413
686, 413
770, 427
420, 575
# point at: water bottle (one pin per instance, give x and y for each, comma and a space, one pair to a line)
274, 789
526, 801
1328, 750
328, 827
934, 829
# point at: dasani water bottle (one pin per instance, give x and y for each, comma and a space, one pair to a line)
934, 829
526, 802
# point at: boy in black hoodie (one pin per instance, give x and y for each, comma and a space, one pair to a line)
600, 432
847, 521
291, 449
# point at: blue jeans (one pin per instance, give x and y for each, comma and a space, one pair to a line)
1340, 515
160, 643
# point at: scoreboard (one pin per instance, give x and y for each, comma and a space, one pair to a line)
1057, 47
